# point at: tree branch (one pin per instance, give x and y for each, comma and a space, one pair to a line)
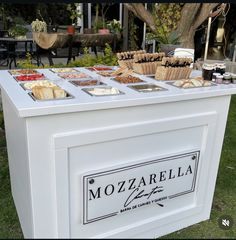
139, 11
219, 9
192, 16
188, 15
204, 13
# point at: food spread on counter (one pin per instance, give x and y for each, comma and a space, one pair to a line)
176, 70
102, 91
32, 77
73, 75
22, 71
45, 93
122, 71
146, 88
43, 83
87, 82
192, 83
106, 74
63, 70
99, 68
128, 79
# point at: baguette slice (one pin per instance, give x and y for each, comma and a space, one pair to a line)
46, 93
58, 92
35, 91
42, 93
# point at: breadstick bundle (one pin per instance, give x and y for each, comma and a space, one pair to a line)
146, 63
126, 59
173, 68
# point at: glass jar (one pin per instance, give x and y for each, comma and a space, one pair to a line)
220, 68
219, 79
226, 78
214, 76
207, 71
233, 77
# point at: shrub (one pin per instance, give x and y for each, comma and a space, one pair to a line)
17, 30
26, 63
87, 60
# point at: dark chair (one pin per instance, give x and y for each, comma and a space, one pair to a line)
4, 33
22, 48
4, 61
33, 47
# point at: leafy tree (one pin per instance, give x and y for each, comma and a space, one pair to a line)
188, 18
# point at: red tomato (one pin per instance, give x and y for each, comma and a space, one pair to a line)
31, 77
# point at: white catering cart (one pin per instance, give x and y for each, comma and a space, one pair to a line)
132, 165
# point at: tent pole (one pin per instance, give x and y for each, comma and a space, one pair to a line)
89, 16
121, 14
208, 37
80, 20
144, 31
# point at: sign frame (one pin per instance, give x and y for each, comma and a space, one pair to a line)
88, 177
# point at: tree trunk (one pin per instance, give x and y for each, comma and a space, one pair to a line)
185, 26
142, 13
192, 16
189, 23
187, 40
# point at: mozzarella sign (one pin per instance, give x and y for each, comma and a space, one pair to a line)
112, 192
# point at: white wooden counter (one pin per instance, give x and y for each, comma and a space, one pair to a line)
134, 165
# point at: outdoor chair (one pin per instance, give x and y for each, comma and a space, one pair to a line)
3, 55
3, 33
22, 48
4, 61
150, 45
33, 47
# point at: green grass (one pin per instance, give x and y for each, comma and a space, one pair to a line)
224, 199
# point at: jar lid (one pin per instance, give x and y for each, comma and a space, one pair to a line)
219, 76
220, 65
226, 76
215, 74
208, 66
